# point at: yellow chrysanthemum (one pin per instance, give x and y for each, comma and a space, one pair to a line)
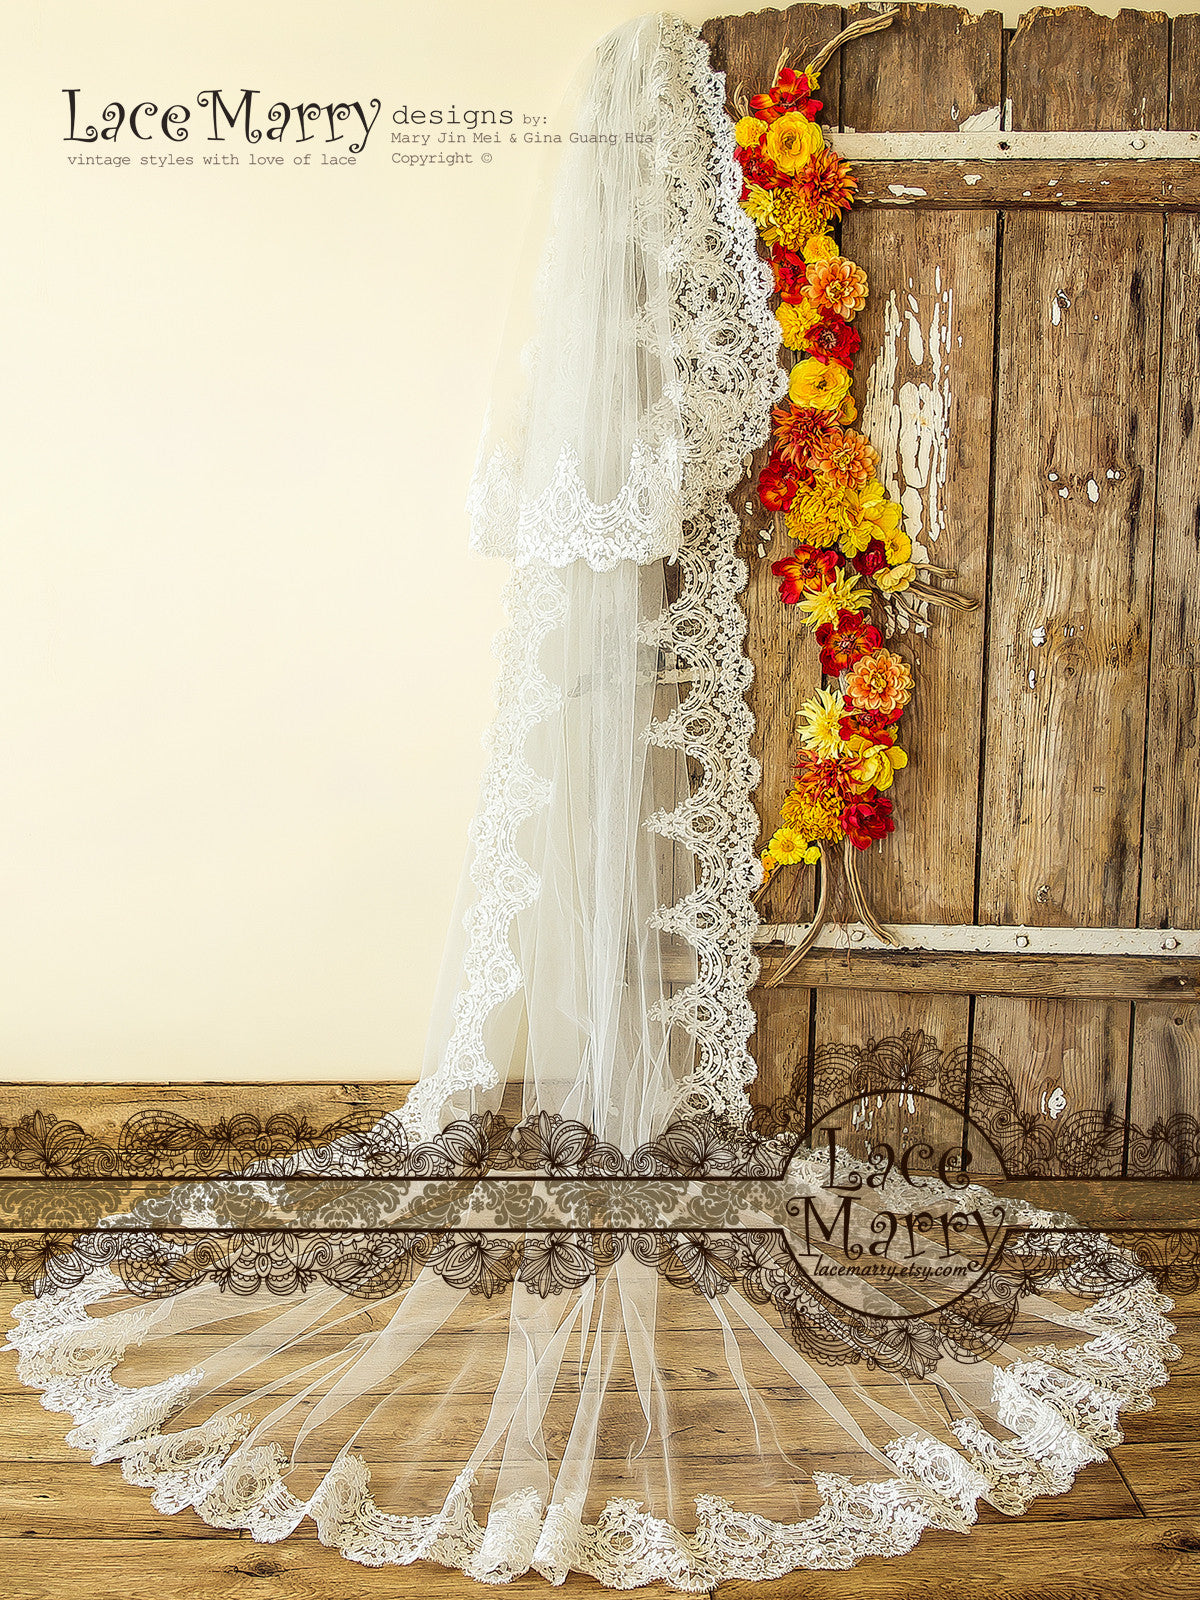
820, 722
894, 579
749, 131
795, 321
759, 206
818, 385
876, 764
820, 247
843, 594
856, 538
848, 413
816, 816
787, 846
792, 141
792, 220
820, 515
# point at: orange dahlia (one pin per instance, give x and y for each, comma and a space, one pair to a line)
799, 432
843, 457
879, 682
827, 185
838, 286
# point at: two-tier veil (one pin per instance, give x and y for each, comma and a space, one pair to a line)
540, 1317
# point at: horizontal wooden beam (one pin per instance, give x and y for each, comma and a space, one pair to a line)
1089, 185
1032, 976
1002, 144
996, 939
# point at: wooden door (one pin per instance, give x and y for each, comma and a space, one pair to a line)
1030, 352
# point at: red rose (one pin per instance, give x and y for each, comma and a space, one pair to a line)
845, 641
804, 570
777, 483
833, 339
870, 560
874, 725
791, 274
867, 819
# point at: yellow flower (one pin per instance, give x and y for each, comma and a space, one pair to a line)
820, 515
848, 412
879, 513
792, 140
795, 321
812, 855
897, 546
816, 816
876, 764
787, 847
818, 385
748, 132
856, 539
894, 579
759, 206
843, 594
819, 248
792, 220
819, 724
769, 864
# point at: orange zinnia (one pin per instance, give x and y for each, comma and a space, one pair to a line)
838, 286
879, 682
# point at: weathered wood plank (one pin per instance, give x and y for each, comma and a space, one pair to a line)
1184, 108
1134, 1559
925, 972
1071, 570
1069, 68
1170, 890
932, 69
1165, 1477
1061, 1055
201, 1569
1165, 1090
1017, 185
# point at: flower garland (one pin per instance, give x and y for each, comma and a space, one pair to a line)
851, 556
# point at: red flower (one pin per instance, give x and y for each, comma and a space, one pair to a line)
833, 339
804, 570
873, 725
777, 484
827, 185
844, 641
757, 168
791, 274
868, 819
818, 775
870, 560
790, 92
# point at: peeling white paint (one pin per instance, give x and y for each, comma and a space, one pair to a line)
1064, 493
1053, 476
1038, 635
1033, 680
981, 119
1056, 1104
908, 417
972, 178
1060, 303
903, 188
1093, 490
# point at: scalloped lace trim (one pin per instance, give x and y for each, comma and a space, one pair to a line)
1061, 1407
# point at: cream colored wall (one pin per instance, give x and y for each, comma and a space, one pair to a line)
244, 654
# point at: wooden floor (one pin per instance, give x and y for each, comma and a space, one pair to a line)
1129, 1527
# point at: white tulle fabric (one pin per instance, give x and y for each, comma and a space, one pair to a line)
623, 1420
